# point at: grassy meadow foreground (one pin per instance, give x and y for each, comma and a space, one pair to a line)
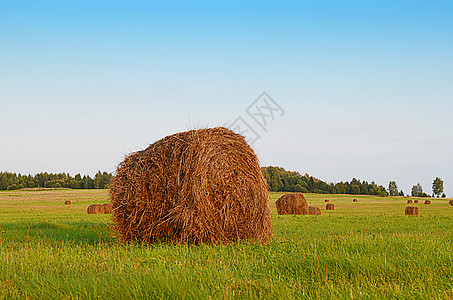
368, 249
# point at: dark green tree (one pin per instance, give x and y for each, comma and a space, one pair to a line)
354, 189
88, 183
364, 190
301, 189
382, 191
3, 181
12, 187
76, 184
340, 187
438, 187
99, 181
417, 190
393, 188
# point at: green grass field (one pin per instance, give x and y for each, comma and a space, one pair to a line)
368, 249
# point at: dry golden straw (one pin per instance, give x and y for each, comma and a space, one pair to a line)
292, 204
411, 210
312, 210
95, 209
330, 206
107, 208
199, 186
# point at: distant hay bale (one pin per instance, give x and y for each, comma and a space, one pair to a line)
327, 200
427, 201
354, 200
95, 209
415, 201
450, 202
312, 210
292, 204
198, 186
67, 202
409, 201
411, 210
107, 208
330, 206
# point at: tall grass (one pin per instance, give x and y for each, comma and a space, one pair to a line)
52, 251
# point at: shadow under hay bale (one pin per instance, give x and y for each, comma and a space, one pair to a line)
292, 204
330, 206
427, 201
411, 210
198, 186
107, 208
450, 202
409, 201
312, 210
67, 202
95, 209
415, 201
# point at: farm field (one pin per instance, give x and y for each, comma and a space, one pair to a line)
367, 249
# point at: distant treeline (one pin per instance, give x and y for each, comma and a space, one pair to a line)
280, 180
13, 181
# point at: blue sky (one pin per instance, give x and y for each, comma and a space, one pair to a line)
366, 85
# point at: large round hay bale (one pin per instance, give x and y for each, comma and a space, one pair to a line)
427, 201
107, 208
450, 202
415, 201
292, 204
312, 210
411, 210
95, 209
67, 202
409, 201
198, 186
330, 206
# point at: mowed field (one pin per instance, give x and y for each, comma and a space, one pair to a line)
368, 249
